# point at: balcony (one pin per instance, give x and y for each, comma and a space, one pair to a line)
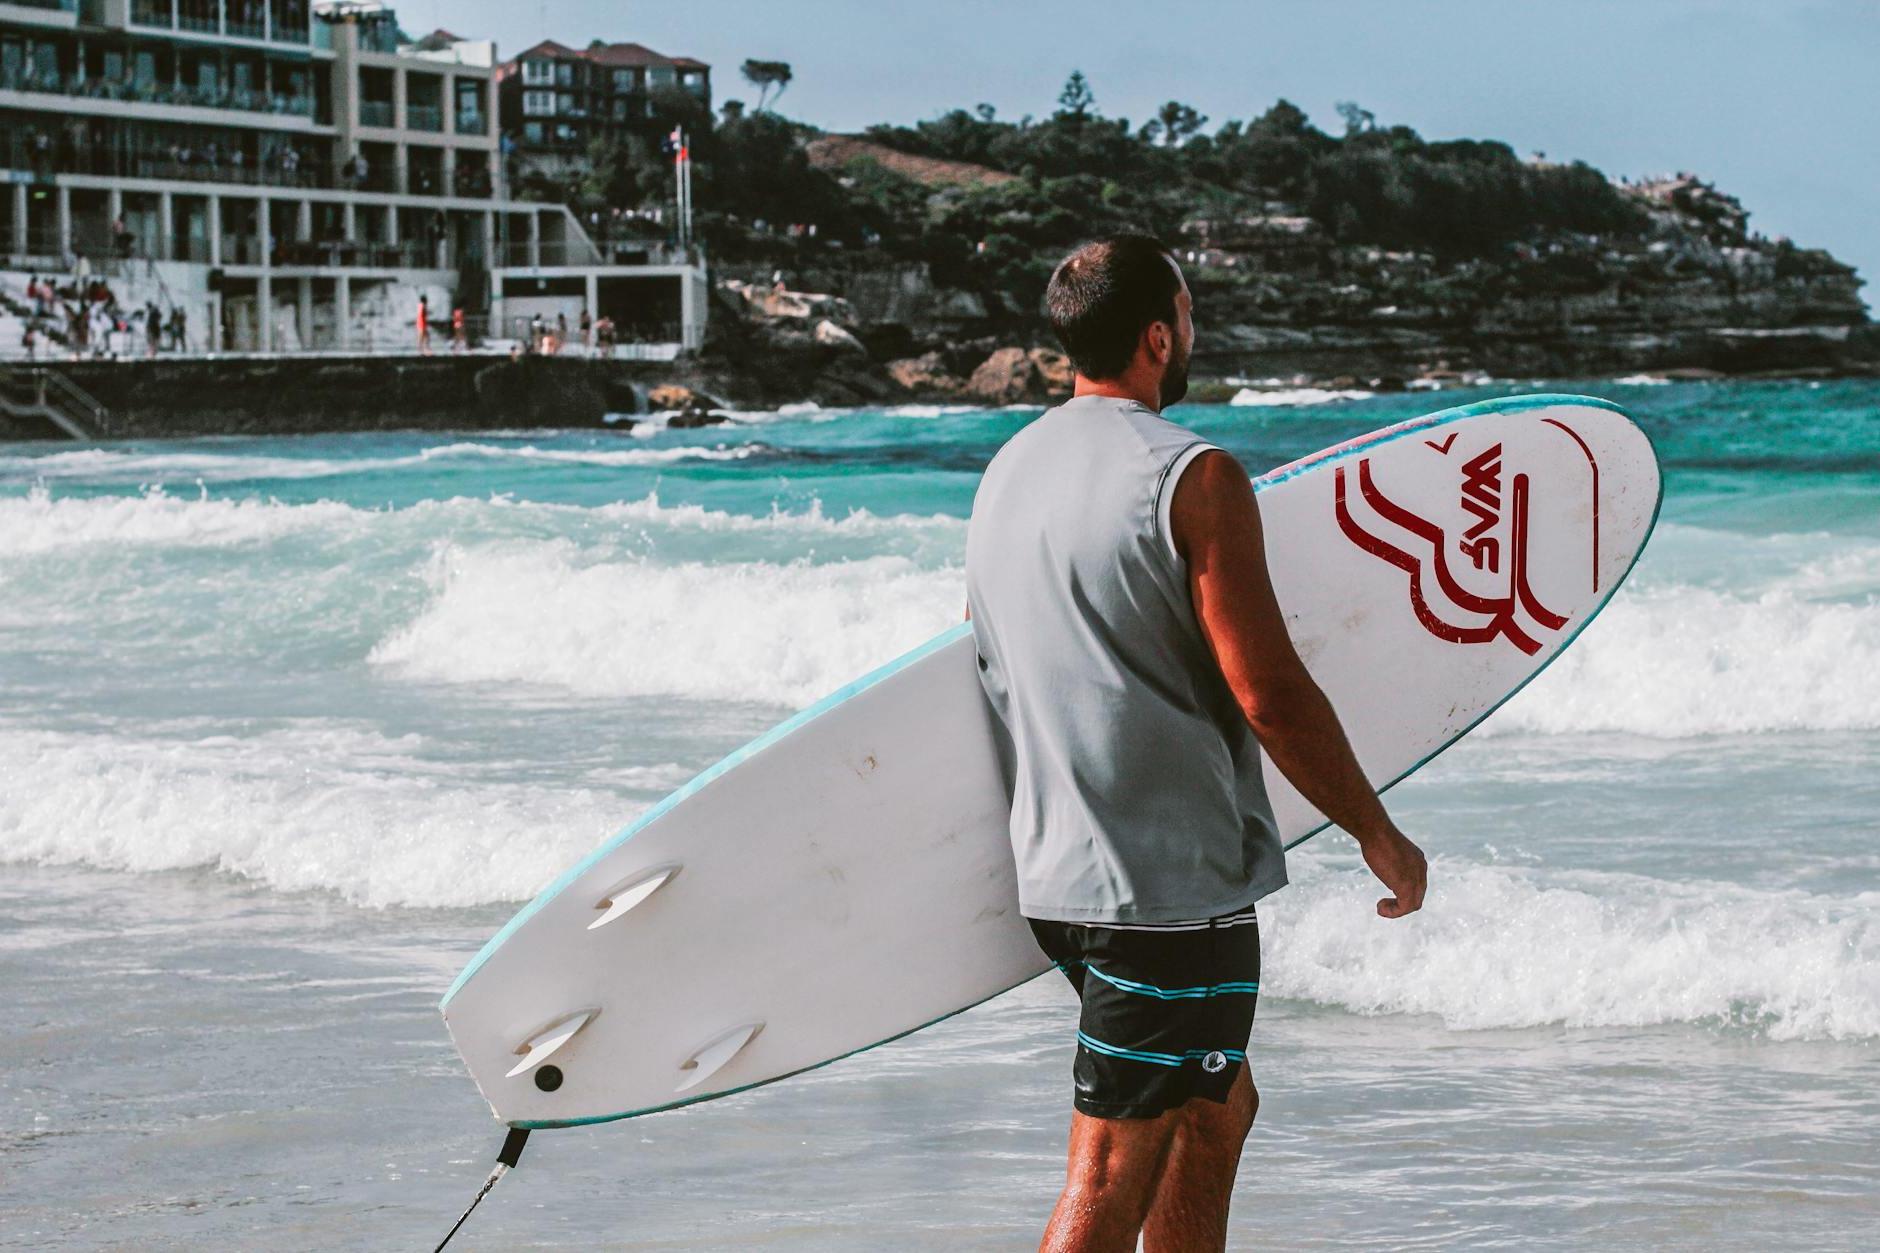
423, 117
375, 113
151, 93
472, 123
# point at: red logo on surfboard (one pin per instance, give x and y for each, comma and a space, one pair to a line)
1490, 548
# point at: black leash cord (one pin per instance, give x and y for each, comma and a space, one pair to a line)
505, 1162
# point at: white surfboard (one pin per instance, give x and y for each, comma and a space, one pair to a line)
847, 879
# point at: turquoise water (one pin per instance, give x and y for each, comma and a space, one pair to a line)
288, 726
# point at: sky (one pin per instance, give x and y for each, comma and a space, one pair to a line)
1777, 101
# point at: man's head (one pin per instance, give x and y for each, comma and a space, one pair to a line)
1121, 309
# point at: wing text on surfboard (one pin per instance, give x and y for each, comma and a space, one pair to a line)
1422, 552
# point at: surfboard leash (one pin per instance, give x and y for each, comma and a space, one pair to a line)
505, 1162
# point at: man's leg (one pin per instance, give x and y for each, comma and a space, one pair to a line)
1189, 1212
1115, 1166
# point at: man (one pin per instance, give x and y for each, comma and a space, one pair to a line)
424, 325
1136, 663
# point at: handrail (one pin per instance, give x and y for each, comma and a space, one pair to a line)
43, 386
75, 394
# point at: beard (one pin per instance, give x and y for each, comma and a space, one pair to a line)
1175, 379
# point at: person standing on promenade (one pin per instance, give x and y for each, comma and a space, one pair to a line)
1136, 664
587, 330
458, 343
424, 325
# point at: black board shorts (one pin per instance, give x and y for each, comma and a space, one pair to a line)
1167, 1011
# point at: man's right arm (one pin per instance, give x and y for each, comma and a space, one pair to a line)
1215, 522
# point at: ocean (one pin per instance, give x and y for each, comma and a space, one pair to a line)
289, 726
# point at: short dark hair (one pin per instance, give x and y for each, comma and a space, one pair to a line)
1104, 295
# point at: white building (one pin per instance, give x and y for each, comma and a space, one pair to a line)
294, 177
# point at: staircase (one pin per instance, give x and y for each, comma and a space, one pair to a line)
38, 394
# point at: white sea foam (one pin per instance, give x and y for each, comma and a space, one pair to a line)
785, 633
812, 520
329, 807
1684, 661
1501, 947
112, 466
1290, 397
1642, 380
339, 808
40, 522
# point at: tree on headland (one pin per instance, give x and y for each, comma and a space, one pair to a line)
1076, 100
765, 75
1173, 123
1357, 118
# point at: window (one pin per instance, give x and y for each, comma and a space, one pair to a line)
564, 132
564, 74
623, 80
538, 103
538, 73
532, 132
660, 76
564, 103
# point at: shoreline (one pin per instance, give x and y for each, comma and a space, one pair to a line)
249, 395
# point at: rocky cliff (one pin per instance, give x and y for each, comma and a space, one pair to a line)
1691, 290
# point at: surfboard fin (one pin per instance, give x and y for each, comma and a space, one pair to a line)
711, 1058
546, 1041
632, 891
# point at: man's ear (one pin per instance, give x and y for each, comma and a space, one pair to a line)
1159, 338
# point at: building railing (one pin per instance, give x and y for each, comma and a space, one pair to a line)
424, 117
473, 122
375, 113
241, 98
551, 252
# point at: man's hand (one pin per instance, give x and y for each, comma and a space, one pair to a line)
1399, 866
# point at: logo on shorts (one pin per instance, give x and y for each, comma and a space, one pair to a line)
1214, 1063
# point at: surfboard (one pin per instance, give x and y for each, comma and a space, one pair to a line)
846, 878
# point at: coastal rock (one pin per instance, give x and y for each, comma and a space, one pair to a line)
777, 303
926, 374
1013, 375
1058, 373
688, 419
830, 335
670, 397
1007, 377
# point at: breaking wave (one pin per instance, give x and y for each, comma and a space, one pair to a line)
783, 633
1502, 948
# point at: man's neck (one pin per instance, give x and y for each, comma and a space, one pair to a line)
1146, 395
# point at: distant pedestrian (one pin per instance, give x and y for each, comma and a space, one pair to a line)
458, 342
536, 332
424, 325
561, 330
153, 327
587, 330
179, 329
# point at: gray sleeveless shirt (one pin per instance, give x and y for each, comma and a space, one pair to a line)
1135, 779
